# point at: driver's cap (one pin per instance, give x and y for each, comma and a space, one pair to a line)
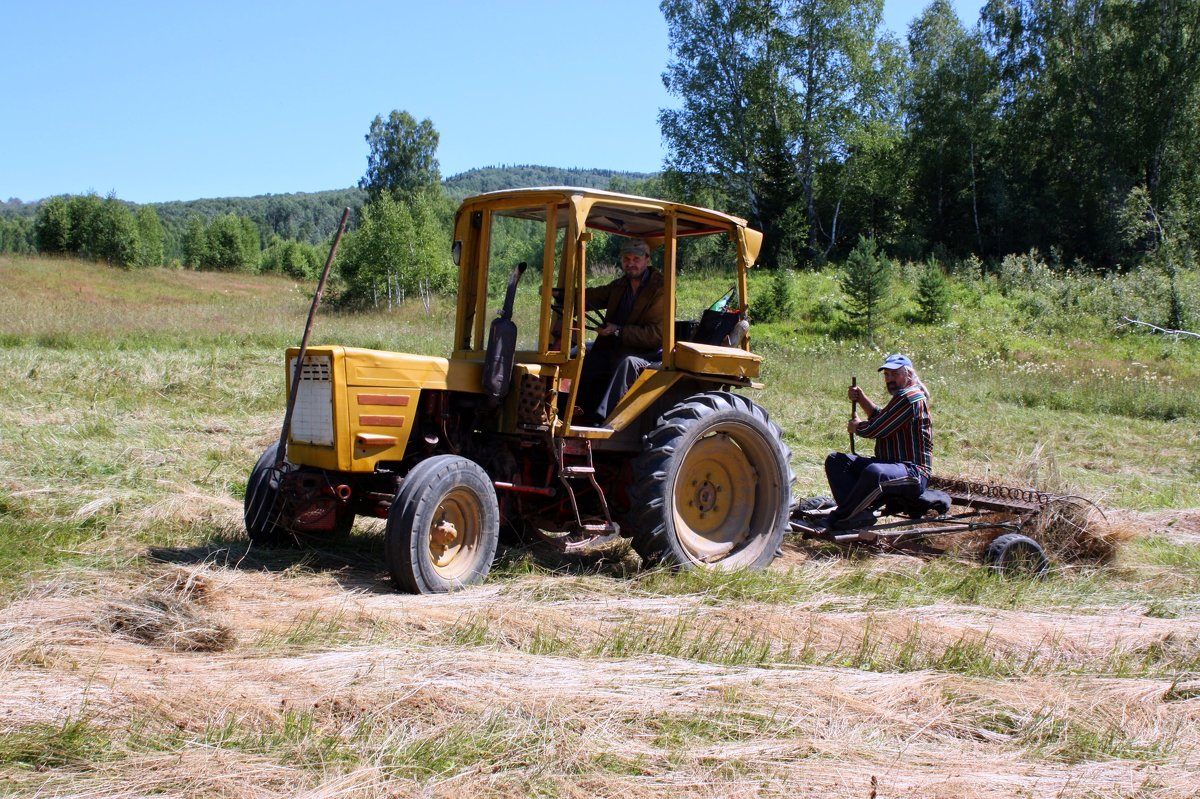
635, 246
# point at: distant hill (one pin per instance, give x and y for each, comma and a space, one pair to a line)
496, 178
307, 216
289, 213
15, 209
313, 216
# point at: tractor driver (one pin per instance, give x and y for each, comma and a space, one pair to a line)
633, 313
903, 433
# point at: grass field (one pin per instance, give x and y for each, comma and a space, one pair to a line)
145, 649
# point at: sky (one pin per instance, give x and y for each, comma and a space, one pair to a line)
158, 101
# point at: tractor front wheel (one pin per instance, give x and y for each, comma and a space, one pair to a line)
443, 527
262, 508
713, 486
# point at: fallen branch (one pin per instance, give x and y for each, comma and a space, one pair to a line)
1125, 320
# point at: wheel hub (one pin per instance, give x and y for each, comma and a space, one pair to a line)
716, 497
443, 534
705, 499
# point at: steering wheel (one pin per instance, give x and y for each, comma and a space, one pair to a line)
593, 319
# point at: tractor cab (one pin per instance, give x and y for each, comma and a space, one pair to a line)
566, 236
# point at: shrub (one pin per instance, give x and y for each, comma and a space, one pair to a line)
150, 250
232, 243
297, 259
1023, 272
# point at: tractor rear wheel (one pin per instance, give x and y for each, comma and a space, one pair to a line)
713, 486
443, 527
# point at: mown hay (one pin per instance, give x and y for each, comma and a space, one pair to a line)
1073, 530
166, 615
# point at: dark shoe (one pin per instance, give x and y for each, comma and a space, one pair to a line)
865, 519
812, 522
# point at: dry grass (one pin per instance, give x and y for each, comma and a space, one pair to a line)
168, 613
417, 714
145, 649
1074, 529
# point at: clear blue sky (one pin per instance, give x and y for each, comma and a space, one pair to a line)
171, 100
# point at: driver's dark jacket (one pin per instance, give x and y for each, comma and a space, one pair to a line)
642, 329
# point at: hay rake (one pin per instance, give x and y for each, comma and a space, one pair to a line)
1005, 516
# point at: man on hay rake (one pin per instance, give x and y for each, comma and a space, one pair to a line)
903, 462
897, 482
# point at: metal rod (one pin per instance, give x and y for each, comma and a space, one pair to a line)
281, 451
853, 413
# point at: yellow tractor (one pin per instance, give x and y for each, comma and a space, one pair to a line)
451, 451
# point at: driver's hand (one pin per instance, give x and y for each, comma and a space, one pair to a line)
607, 330
856, 394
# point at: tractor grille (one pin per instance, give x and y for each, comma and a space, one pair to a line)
312, 421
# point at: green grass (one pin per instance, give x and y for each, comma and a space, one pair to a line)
299, 739
507, 739
318, 631
690, 637
1150, 571
77, 741
1060, 739
31, 544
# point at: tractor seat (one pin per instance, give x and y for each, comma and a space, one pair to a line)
915, 507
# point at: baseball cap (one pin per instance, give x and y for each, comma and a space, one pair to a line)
635, 246
894, 362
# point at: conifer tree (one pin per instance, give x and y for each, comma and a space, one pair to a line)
867, 282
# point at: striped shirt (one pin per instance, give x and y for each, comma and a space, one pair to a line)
903, 430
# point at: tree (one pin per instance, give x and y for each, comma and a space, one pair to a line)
1143, 226
1098, 96
52, 226
867, 282
933, 294
17, 236
297, 259
951, 109
195, 243
841, 70
84, 212
280, 216
232, 243
115, 233
403, 157
729, 135
771, 90
399, 249
150, 237
778, 302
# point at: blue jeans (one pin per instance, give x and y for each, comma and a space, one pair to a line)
858, 483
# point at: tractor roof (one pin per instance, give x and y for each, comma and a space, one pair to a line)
612, 212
